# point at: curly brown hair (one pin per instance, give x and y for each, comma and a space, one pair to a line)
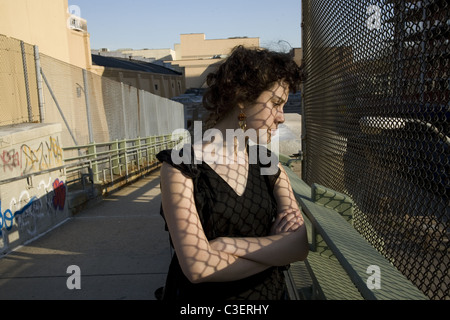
244, 75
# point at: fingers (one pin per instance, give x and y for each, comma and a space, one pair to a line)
287, 221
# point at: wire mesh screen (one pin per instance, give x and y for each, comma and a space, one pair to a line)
18, 93
65, 81
98, 109
376, 115
90, 107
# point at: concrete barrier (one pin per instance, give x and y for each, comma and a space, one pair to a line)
32, 183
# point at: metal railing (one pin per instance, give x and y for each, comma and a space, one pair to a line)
108, 162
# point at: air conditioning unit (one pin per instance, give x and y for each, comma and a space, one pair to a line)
76, 23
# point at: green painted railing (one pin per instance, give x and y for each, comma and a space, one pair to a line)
108, 161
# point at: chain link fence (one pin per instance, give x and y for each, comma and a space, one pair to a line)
376, 116
90, 107
18, 94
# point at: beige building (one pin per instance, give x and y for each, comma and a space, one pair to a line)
152, 54
48, 24
198, 56
157, 56
195, 55
150, 77
61, 34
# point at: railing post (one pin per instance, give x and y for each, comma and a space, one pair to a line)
157, 144
149, 144
139, 153
92, 153
116, 156
169, 141
123, 160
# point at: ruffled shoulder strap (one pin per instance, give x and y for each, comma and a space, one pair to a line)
180, 160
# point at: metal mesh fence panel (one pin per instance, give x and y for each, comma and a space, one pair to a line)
376, 115
18, 93
113, 105
149, 112
105, 108
30, 79
154, 123
91, 108
66, 83
132, 111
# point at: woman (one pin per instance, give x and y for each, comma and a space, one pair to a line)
234, 230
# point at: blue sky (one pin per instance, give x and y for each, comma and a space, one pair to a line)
153, 24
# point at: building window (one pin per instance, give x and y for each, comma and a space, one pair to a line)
156, 87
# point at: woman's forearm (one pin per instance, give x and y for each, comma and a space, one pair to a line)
224, 267
275, 250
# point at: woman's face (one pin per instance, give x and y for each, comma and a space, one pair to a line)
267, 113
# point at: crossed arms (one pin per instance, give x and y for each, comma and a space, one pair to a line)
229, 259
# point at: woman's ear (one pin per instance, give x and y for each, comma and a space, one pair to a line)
241, 107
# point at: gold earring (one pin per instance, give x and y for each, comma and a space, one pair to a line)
242, 120
269, 135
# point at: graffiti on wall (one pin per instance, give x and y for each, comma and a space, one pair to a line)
10, 160
28, 159
28, 210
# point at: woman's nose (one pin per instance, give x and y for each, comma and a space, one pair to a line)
280, 116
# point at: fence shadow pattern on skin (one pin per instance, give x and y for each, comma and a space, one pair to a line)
210, 208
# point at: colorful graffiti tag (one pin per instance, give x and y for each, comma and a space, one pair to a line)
53, 199
59, 198
28, 159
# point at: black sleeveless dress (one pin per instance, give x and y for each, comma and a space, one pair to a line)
223, 213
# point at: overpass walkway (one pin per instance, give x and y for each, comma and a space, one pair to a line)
119, 245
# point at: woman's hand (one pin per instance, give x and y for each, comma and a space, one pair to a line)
277, 249
287, 221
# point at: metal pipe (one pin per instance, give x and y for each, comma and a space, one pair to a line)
27, 84
88, 106
40, 88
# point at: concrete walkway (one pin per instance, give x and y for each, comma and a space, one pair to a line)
119, 245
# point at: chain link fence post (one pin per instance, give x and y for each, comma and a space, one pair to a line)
40, 89
88, 106
27, 83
